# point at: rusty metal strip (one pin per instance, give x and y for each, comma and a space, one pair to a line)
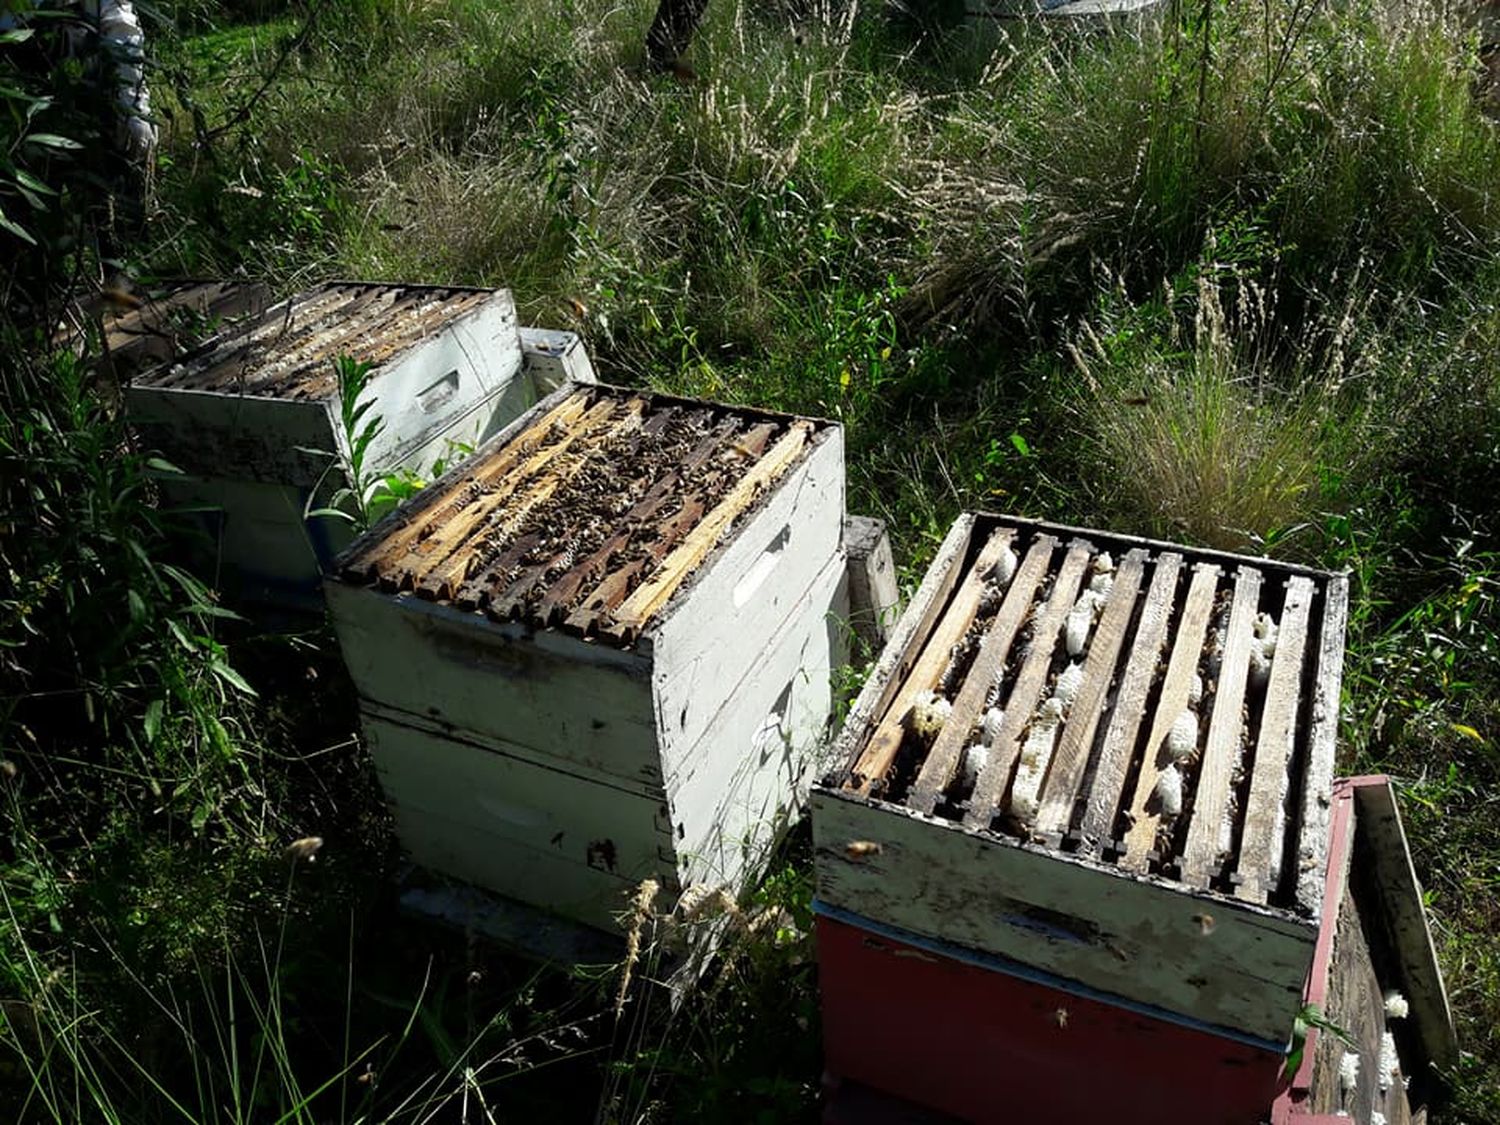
1025, 696
1060, 788
1261, 846
1187, 650
1221, 753
1129, 709
942, 760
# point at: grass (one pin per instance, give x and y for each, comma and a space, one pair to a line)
1231, 282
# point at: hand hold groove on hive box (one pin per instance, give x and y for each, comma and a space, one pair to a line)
1070, 726
627, 588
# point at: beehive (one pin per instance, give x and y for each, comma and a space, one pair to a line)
1032, 826
600, 650
253, 419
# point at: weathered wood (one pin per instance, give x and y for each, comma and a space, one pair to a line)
464, 563
456, 534
1140, 938
552, 359
1059, 792
900, 655
1202, 852
391, 551
1261, 844
1404, 920
1102, 809
740, 776
908, 642
942, 759
1355, 1003
651, 596
1026, 693
879, 754
874, 599
1317, 777
1187, 650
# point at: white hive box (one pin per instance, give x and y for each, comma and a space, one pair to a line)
600, 650
1147, 818
252, 417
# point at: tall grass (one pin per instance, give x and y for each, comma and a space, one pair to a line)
1229, 281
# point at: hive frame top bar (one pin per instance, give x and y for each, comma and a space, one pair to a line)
165, 377
890, 731
442, 491
958, 551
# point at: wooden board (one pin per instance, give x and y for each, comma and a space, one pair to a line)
386, 549
1176, 687
942, 759
1140, 939
900, 654
1129, 708
1202, 854
1355, 1003
1026, 694
878, 755
1405, 919
590, 704
1262, 846
1317, 780
1060, 789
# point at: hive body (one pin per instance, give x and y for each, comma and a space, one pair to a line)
616, 629
1061, 858
252, 417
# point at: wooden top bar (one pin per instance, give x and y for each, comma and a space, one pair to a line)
589, 514
289, 351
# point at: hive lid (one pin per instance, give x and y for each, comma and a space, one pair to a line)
1163, 710
589, 513
287, 352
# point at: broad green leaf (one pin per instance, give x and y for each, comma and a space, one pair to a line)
16, 35
152, 720
19, 231
53, 141
222, 670
201, 815
27, 180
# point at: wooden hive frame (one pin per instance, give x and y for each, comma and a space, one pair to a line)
1065, 820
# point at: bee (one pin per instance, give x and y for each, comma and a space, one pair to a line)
1060, 1017
861, 849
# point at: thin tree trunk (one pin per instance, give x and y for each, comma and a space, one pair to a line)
672, 30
